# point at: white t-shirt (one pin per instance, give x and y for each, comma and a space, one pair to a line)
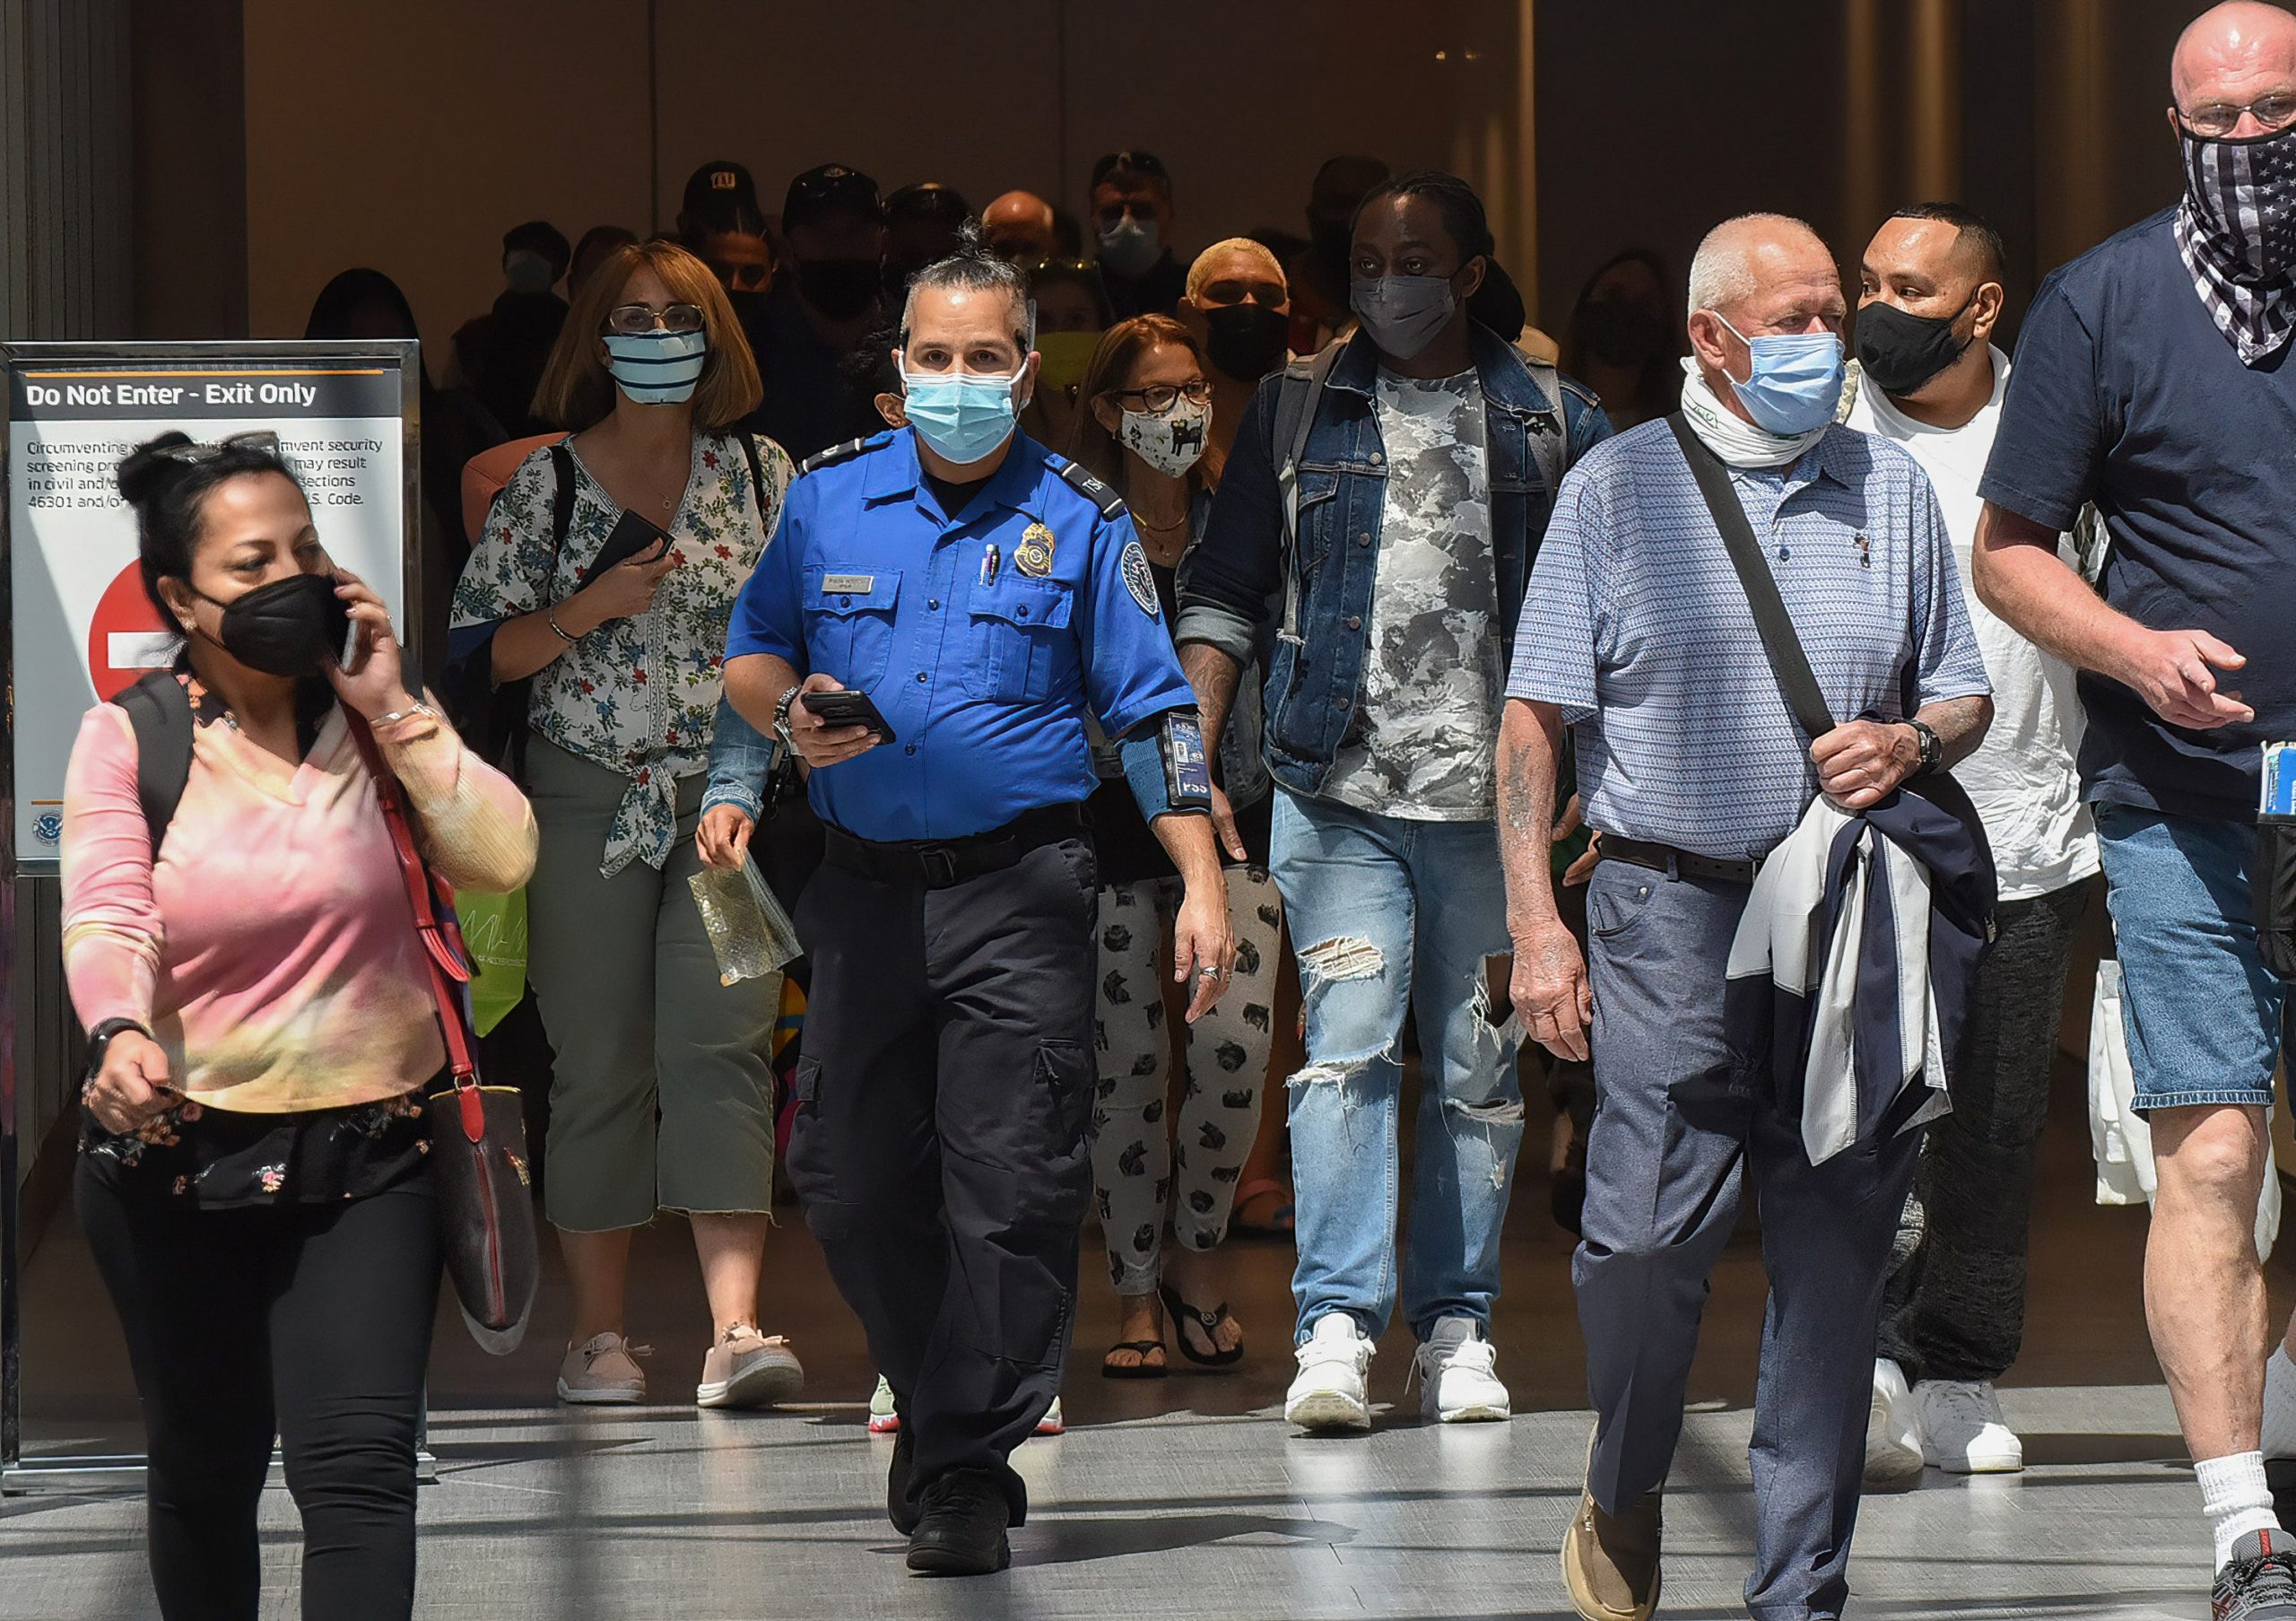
1427, 729
2022, 776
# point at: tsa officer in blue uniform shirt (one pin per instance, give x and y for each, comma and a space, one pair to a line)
988, 596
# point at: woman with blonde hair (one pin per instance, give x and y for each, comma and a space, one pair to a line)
606, 576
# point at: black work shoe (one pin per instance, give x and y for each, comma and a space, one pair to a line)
2259, 1582
962, 1531
897, 1505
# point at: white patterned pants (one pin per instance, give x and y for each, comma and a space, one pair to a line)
1150, 1172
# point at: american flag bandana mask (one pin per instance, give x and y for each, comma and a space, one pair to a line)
2236, 229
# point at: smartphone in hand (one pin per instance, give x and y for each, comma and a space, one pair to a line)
848, 709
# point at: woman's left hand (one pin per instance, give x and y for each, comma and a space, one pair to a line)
374, 682
723, 836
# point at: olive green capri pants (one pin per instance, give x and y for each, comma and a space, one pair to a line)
662, 1096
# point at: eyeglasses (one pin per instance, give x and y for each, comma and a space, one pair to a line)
2218, 119
1159, 398
261, 440
642, 317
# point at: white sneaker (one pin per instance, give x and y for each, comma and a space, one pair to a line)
1892, 1428
1456, 1369
1330, 1393
1054, 1422
1962, 1431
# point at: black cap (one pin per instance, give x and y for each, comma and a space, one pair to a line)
541, 237
1133, 165
928, 200
716, 183
830, 189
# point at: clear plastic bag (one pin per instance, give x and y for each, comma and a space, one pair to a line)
749, 931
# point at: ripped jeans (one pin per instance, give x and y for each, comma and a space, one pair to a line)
1389, 915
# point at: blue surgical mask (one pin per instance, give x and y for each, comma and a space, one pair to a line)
963, 417
658, 368
1796, 383
1129, 246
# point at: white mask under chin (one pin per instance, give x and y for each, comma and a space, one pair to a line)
1170, 442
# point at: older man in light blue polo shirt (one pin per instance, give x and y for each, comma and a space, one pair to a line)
1638, 635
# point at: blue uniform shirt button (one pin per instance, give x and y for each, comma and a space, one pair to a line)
1024, 612
844, 602
909, 748
920, 675
934, 603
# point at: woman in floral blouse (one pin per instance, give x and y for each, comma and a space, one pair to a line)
662, 1094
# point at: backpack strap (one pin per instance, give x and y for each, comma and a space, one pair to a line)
561, 502
1296, 399
757, 472
158, 712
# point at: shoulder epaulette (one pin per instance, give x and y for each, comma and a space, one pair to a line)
835, 454
1107, 501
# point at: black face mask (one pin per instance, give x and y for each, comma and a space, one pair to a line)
292, 627
1246, 341
1900, 351
1619, 332
840, 289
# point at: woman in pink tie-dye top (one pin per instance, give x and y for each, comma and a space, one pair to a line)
252, 1177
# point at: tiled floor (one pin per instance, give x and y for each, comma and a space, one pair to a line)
1188, 1498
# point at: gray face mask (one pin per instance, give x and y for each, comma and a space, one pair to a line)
527, 271
1403, 313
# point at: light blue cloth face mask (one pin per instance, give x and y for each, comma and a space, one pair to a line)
1796, 383
962, 416
658, 368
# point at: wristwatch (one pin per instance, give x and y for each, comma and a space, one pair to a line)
781, 719
99, 1041
1932, 748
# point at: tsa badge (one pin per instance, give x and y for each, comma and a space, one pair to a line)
1034, 557
2279, 801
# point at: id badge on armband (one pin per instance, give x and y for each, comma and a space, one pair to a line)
2278, 802
1187, 770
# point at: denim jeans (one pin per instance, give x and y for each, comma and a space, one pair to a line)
1389, 916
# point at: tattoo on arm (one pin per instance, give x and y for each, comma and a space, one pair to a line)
1214, 676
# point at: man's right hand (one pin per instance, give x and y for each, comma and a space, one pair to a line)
820, 744
1549, 989
625, 590
2171, 671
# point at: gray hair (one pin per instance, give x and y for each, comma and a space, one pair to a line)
972, 268
1722, 272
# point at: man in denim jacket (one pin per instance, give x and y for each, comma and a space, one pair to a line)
1412, 464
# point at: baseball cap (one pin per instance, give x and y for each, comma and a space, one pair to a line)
715, 184
831, 188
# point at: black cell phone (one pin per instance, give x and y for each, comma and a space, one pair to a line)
848, 709
633, 537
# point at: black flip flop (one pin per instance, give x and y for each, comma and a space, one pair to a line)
1181, 1313
1142, 1369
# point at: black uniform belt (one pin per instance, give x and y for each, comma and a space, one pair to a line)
938, 863
1666, 858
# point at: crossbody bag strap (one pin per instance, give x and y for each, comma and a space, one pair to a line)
1787, 662
442, 945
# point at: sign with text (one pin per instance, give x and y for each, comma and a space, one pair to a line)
81, 625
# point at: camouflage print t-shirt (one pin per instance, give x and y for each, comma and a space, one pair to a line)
1427, 719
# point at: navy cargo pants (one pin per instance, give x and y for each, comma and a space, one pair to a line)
941, 1144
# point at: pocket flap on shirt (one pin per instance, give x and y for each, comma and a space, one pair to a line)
1020, 600
842, 590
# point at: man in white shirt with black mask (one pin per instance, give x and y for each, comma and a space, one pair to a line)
1932, 380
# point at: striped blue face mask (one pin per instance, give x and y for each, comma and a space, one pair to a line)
658, 368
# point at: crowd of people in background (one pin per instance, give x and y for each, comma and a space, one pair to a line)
1334, 667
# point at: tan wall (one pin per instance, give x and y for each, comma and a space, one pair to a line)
410, 135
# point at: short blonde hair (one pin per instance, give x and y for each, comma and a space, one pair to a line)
576, 390
1200, 272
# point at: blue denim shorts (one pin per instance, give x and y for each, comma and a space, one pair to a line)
2201, 1011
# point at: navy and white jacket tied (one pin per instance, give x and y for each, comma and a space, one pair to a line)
1853, 966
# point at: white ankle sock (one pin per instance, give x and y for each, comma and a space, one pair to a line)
2279, 1437
2235, 1498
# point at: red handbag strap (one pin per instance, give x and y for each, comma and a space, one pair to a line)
442, 941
